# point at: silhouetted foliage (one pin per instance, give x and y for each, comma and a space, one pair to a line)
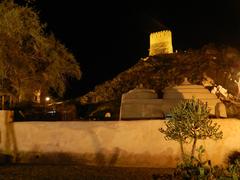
234, 158
30, 59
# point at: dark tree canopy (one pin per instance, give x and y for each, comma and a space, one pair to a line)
30, 59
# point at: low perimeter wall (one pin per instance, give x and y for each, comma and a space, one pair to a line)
114, 143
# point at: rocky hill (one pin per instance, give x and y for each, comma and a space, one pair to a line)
210, 66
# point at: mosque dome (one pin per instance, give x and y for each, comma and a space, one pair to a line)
141, 93
186, 90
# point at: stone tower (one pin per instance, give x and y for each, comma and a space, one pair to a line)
160, 43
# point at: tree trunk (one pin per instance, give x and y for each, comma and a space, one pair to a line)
19, 93
194, 147
182, 150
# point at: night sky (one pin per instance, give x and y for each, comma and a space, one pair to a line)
109, 37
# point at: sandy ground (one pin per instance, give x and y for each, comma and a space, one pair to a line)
72, 172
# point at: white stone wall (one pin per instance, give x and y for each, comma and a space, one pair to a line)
115, 143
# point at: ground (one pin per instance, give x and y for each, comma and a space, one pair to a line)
80, 172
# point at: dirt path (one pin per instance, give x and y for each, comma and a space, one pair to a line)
72, 172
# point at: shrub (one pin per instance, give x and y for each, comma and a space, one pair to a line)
189, 123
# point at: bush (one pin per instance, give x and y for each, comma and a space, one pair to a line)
195, 168
190, 122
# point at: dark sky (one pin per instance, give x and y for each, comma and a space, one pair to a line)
109, 37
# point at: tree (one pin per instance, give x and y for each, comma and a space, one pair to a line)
30, 59
190, 122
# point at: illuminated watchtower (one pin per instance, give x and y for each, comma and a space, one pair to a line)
160, 43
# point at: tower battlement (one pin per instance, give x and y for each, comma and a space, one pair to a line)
161, 43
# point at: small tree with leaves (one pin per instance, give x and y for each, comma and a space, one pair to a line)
190, 122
